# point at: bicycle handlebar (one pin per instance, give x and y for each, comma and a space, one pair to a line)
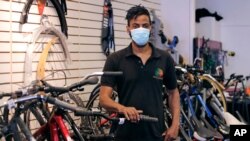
195, 70
59, 90
105, 73
5, 95
90, 81
109, 73
189, 69
17, 93
247, 77
233, 76
47, 88
81, 112
12, 102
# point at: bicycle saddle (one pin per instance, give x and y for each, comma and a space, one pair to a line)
202, 132
217, 135
231, 120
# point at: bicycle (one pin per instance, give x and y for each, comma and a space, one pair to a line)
14, 128
78, 111
55, 121
78, 129
190, 93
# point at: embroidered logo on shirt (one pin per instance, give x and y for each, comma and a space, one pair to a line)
158, 73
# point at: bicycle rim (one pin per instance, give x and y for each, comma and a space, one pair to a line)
220, 95
94, 123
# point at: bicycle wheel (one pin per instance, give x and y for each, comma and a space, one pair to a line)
76, 100
73, 123
216, 88
36, 115
97, 125
183, 126
51, 61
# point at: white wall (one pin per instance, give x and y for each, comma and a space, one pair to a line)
84, 19
234, 31
178, 18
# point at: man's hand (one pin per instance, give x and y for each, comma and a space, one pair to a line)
171, 133
174, 105
131, 113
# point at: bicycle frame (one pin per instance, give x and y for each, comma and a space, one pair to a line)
57, 127
54, 125
11, 126
203, 104
195, 123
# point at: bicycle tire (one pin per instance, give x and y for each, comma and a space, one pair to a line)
168, 119
35, 116
92, 123
220, 95
94, 91
73, 123
77, 99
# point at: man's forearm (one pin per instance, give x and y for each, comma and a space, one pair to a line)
107, 102
174, 105
110, 105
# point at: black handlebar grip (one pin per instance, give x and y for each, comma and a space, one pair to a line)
5, 95
92, 80
52, 89
238, 76
247, 77
148, 118
232, 75
100, 137
112, 73
85, 112
192, 69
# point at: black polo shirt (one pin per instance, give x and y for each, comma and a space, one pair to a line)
141, 87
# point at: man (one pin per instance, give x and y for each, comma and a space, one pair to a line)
145, 70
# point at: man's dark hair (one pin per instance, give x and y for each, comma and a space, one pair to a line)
136, 11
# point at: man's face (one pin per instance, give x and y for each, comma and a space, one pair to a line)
140, 21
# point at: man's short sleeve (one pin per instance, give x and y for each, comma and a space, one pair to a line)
110, 65
170, 75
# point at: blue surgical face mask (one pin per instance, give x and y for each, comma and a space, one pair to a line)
140, 36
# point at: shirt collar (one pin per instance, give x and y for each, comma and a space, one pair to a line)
155, 52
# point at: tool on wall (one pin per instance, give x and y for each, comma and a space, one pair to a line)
159, 40
157, 37
107, 38
211, 53
203, 12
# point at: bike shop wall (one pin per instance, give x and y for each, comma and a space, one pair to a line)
84, 27
233, 31
84, 23
178, 17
